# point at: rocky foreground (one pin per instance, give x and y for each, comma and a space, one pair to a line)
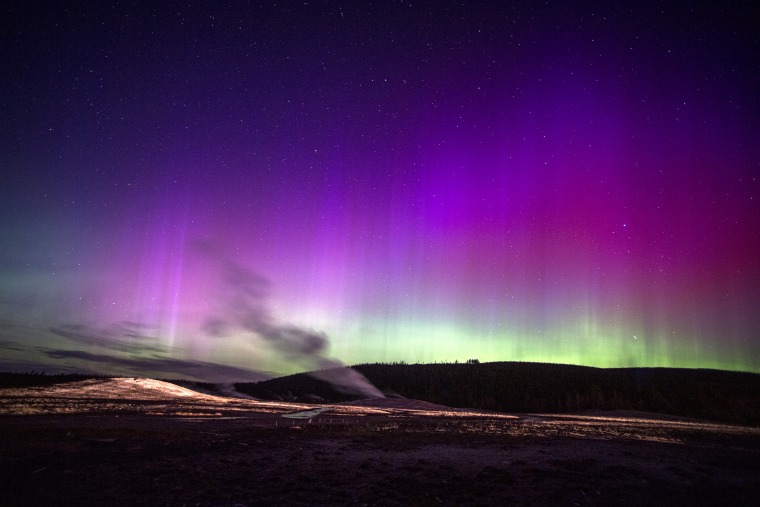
144, 442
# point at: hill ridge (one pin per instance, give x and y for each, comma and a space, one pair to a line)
504, 386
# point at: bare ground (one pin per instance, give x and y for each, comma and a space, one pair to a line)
195, 451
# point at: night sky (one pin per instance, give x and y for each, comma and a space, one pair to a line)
213, 189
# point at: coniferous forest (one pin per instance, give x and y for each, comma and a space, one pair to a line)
716, 395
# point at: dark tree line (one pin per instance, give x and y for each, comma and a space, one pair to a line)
551, 388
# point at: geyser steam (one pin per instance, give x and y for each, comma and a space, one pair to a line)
245, 307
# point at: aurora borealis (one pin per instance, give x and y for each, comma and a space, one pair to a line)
404, 182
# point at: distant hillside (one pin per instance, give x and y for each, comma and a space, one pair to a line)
537, 387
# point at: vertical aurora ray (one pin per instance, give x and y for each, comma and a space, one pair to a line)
578, 188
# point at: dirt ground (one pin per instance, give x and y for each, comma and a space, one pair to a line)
382, 453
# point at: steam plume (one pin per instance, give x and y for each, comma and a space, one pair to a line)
245, 306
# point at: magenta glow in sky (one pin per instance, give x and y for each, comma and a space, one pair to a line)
422, 182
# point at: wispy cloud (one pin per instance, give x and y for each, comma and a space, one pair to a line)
11, 345
120, 337
162, 367
126, 348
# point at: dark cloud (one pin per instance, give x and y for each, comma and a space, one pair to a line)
135, 330
165, 367
119, 353
11, 345
36, 366
118, 338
